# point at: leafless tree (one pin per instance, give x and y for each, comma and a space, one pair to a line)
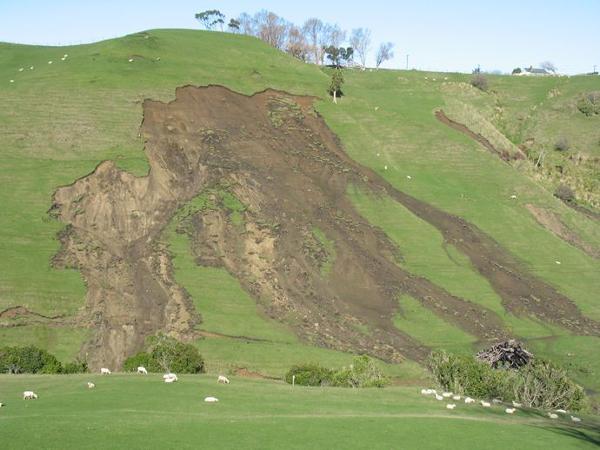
313, 30
335, 36
247, 24
549, 66
385, 53
360, 41
271, 28
296, 44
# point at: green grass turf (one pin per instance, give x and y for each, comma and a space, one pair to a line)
135, 411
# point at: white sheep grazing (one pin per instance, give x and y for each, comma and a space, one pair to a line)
562, 411
513, 196
30, 67
1, 405
29, 395
142, 370
90, 385
557, 262
49, 62
469, 400
12, 81
553, 416
438, 397
496, 400
447, 394
384, 167
510, 410
456, 397
516, 405
450, 406
105, 371
170, 376
485, 404
575, 419
130, 59
21, 69
408, 177
211, 399
223, 379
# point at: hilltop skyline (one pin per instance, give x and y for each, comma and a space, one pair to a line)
435, 35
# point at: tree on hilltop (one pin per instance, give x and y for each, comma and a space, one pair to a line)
385, 53
360, 41
234, 25
211, 18
339, 55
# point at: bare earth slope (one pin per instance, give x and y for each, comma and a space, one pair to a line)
276, 156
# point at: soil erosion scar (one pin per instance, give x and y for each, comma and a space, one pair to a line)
274, 154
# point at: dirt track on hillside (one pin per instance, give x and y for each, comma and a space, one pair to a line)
277, 156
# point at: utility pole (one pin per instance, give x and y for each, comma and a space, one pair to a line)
407, 55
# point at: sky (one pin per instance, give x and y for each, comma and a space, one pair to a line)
455, 35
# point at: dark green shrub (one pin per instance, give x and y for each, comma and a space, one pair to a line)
168, 355
143, 359
28, 359
75, 367
309, 375
541, 384
538, 384
465, 375
363, 372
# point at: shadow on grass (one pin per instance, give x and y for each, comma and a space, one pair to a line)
585, 433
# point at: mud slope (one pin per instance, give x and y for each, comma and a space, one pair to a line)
277, 156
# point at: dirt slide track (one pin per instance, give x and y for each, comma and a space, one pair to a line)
278, 157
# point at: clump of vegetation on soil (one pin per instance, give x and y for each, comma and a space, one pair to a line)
166, 354
539, 384
589, 103
32, 359
480, 82
363, 372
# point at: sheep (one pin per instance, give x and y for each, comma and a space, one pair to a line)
142, 370
65, 56
516, 405
447, 394
130, 60
12, 81
553, 416
510, 410
428, 391
90, 385
438, 397
1, 405
562, 411
105, 371
384, 167
223, 379
49, 62
496, 400
513, 197
170, 376
408, 177
450, 406
29, 395
376, 108
575, 419
21, 69
485, 404
456, 397
30, 67
469, 400
557, 262
211, 399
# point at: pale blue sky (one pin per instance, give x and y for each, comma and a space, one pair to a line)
439, 35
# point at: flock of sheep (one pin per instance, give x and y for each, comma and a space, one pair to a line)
22, 69
486, 404
167, 378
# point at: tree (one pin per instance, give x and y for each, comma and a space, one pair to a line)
296, 44
360, 41
271, 28
516, 71
385, 53
337, 55
549, 66
211, 18
335, 87
247, 24
334, 36
234, 25
313, 30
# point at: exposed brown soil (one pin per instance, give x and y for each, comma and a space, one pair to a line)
552, 223
278, 157
442, 117
20, 315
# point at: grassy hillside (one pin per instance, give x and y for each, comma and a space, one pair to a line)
142, 412
61, 120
